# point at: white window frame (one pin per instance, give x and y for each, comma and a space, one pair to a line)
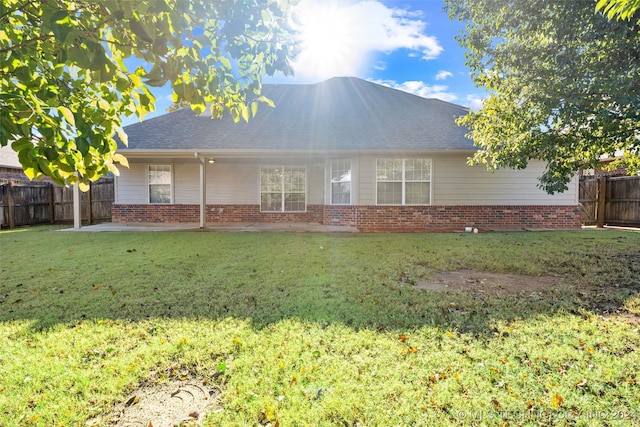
404, 181
283, 193
171, 186
332, 182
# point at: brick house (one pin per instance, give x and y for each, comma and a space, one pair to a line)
341, 152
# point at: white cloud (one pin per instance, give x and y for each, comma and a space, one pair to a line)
337, 38
380, 66
474, 102
421, 89
443, 74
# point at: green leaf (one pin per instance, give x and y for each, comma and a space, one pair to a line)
140, 30
85, 47
119, 158
21, 144
124, 138
122, 84
113, 169
80, 57
61, 25
67, 114
244, 111
266, 100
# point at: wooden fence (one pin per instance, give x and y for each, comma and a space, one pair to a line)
610, 201
28, 203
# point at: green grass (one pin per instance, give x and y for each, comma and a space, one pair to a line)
318, 329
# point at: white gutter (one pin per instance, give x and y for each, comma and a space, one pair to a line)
248, 153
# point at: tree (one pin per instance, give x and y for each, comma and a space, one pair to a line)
563, 85
66, 82
619, 9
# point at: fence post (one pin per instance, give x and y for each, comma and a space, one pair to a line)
10, 205
52, 210
602, 195
77, 213
90, 204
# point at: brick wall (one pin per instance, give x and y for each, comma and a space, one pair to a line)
453, 218
155, 213
251, 213
368, 218
215, 213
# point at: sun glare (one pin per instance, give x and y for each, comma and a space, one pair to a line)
328, 41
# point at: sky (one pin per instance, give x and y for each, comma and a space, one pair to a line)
404, 44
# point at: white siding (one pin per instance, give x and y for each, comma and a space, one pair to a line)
366, 180
131, 185
9, 158
186, 183
456, 183
233, 183
315, 183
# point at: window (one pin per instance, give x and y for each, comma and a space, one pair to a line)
341, 182
159, 184
403, 181
283, 189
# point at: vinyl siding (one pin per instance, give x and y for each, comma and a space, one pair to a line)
186, 183
366, 180
131, 185
315, 183
456, 183
233, 183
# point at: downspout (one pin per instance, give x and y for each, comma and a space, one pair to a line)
203, 191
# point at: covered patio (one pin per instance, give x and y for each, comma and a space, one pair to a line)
228, 227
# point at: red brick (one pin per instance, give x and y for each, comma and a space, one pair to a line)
367, 218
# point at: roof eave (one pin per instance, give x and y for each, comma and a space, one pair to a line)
246, 153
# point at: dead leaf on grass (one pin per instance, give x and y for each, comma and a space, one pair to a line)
556, 400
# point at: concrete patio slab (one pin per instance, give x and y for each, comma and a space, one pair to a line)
228, 227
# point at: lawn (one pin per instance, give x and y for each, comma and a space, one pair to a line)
304, 329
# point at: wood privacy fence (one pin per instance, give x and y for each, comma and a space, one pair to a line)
28, 203
610, 201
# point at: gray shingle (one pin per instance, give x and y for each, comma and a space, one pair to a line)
339, 114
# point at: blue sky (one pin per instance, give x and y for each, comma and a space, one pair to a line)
409, 45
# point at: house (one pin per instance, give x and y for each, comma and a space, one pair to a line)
10, 167
341, 152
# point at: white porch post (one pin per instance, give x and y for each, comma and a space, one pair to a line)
203, 193
77, 220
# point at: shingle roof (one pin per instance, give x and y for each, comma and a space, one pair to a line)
339, 114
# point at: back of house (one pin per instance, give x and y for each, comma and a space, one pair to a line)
341, 152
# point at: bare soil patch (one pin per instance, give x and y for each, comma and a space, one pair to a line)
485, 282
178, 403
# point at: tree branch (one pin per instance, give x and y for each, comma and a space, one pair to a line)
43, 37
21, 7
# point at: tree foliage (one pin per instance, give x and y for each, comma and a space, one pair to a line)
67, 79
620, 9
563, 85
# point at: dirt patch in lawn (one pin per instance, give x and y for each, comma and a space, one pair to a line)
178, 403
484, 282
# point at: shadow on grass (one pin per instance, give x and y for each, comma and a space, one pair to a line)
362, 281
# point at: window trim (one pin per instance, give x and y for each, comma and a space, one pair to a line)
171, 183
282, 188
331, 202
404, 181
